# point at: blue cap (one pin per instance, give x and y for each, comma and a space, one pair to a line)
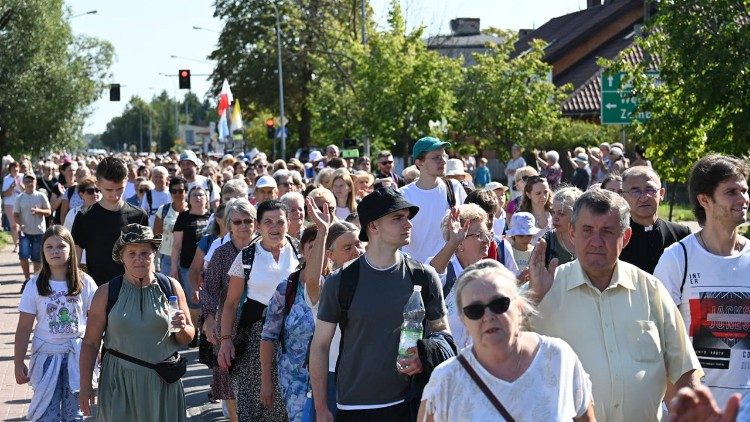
427, 144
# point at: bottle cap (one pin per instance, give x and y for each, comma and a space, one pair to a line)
418, 289
173, 298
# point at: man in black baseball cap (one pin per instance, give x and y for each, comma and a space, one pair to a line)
366, 299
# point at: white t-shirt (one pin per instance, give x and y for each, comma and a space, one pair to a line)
498, 225
555, 387
212, 248
342, 212
58, 317
715, 305
458, 329
129, 190
167, 225
426, 236
7, 181
333, 352
157, 199
266, 273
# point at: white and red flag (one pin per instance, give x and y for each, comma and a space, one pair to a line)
225, 98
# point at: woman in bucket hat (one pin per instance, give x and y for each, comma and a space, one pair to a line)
137, 326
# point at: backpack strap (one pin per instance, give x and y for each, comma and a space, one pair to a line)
248, 258
165, 210
501, 252
684, 269
419, 277
113, 292
450, 193
347, 288
290, 294
150, 202
450, 279
165, 284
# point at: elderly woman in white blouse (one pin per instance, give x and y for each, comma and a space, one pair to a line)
507, 372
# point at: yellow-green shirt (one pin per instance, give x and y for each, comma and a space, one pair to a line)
630, 338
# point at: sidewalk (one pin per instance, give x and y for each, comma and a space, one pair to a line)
14, 398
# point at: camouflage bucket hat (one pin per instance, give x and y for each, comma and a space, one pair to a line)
132, 234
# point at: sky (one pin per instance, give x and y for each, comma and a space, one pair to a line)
157, 37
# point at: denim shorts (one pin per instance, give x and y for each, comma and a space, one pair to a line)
30, 247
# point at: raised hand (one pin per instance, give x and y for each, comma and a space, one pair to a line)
457, 234
322, 218
541, 277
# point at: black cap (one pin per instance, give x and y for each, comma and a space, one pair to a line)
379, 203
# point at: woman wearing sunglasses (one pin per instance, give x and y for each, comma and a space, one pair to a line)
507, 372
91, 195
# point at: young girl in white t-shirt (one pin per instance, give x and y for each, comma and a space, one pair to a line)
58, 298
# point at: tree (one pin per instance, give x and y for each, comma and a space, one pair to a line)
388, 90
506, 100
48, 77
132, 127
246, 52
702, 50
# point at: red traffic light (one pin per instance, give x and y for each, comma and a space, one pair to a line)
270, 123
184, 78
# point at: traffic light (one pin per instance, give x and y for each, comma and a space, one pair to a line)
270, 129
114, 92
184, 75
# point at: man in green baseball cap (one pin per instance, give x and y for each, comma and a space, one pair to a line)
427, 144
433, 195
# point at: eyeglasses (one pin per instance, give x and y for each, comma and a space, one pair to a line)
440, 158
171, 170
176, 191
651, 192
245, 221
498, 306
532, 179
91, 191
483, 236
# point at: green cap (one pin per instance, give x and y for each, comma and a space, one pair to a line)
427, 144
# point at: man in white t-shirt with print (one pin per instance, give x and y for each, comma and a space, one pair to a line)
430, 194
712, 290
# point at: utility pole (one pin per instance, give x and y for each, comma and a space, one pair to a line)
366, 139
282, 118
140, 130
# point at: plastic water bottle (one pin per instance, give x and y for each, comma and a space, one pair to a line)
411, 330
172, 310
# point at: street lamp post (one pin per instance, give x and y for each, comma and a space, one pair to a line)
282, 118
90, 12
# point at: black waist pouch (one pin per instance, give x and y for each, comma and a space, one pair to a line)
170, 370
252, 312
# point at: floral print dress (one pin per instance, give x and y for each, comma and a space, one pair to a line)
298, 328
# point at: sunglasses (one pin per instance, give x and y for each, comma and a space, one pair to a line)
143, 190
176, 191
385, 163
498, 306
91, 191
246, 221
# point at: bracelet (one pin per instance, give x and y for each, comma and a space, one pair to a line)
225, 337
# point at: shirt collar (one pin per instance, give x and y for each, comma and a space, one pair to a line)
620, 277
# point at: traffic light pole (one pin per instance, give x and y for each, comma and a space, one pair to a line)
282, 118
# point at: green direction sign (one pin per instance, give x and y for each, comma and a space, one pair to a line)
618, 103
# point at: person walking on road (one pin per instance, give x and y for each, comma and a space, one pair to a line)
58, 299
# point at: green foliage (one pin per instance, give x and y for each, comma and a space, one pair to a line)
504, 101
246, 53
48, 77
702, 50
391, 92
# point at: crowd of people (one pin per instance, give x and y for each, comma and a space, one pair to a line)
291, 280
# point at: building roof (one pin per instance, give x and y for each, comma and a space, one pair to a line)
461, 41
596, 28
